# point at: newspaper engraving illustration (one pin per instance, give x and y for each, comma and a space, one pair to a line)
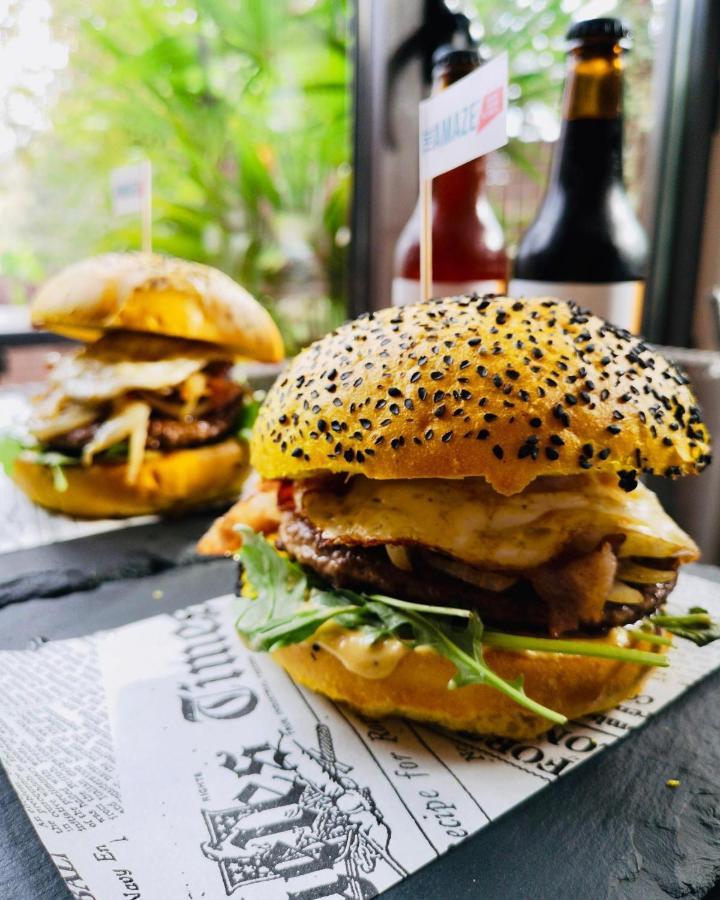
302, 818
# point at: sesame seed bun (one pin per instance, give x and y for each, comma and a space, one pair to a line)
417, 688
158, 294
167, 482
467, 386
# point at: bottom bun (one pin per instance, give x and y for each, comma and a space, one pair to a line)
166, 482
417, 687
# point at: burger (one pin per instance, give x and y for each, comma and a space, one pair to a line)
147, 415
460, 534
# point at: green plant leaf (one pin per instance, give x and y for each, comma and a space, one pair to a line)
10, 449
696, 626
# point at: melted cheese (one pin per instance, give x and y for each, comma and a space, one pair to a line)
468, 520
357, 651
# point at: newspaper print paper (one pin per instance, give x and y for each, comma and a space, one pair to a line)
223, 778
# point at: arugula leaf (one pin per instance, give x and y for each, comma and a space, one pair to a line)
10, 449
279, 585
697, 626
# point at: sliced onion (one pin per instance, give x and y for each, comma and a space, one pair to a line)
490, 581
638, 574
131, 422
625, 595
71, 416
399, 557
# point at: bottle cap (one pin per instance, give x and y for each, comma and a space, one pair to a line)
448, 55
610, 29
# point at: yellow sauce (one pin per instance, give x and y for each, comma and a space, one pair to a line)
357, 651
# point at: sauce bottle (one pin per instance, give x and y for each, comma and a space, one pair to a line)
468, 246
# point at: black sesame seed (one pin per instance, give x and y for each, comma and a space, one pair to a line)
587, 451
614, 429
604, 453
535, 422
297, 453
436, 376
497, 381
570, 400
429, 434
394, 392
439, 411
438, 396
512, 374
422, 393
482, 371
557, 440
473, 342
498, 451
414, 377
446, 437
490, 417
551, 454
409, 404
667, 441
394, 408
483, 434
584, 463
366, 423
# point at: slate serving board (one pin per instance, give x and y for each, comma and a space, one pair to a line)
610, 829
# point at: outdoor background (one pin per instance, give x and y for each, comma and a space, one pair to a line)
243, 107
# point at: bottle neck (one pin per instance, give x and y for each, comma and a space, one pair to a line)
589, 154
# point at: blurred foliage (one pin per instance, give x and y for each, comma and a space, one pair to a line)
243, 108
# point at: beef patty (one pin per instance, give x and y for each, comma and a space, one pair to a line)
164, 433
369, 569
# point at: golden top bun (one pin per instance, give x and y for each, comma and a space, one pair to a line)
469, 386
417, 687
167, 482
159, 294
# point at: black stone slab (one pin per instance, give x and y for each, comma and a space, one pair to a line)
610, 829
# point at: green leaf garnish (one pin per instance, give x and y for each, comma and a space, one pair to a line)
10, 449
649, 636
696, 626
575, 648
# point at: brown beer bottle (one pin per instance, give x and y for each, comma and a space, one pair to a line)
468, 247
586, 243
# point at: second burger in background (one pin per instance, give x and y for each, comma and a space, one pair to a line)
145, 416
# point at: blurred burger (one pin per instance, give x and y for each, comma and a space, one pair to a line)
461, 535
145, 417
